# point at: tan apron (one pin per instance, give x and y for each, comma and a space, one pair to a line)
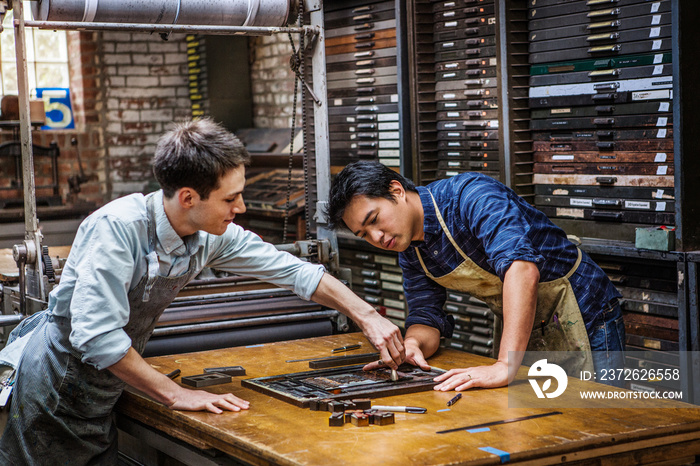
554, 298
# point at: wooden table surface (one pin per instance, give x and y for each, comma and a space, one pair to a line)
276, 432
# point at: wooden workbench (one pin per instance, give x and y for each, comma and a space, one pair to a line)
275, 432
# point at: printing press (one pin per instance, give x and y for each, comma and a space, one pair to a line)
213, 311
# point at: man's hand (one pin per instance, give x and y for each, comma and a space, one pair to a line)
200, 400
380, 332
480, 376
414, 356
386, 338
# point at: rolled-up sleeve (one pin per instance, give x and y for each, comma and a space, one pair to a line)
242, 252
425, 300
99, 307
500, 226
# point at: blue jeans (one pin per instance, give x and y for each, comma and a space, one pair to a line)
607, 339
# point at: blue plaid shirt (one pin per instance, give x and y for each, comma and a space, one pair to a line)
494, 227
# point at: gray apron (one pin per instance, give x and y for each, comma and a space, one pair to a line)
565, 333
62, 408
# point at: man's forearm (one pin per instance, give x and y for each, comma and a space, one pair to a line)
426, 338
332, 293
519, 306
136, 372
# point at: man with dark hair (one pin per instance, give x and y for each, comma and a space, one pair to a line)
471, 233
127, 263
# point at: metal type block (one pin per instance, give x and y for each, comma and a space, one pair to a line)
466, 104
655, 181
627, 48
463, 33
468, 155
336, 407
468, 165
590, 40
601, 63
233, 371
488, 145
623, 192
601, 98
466, 124
465, 23
605, 135
336, 420
466, 74
610, 203
205, 380
481, 134
636, 72
361, 64
467, 114
603, 110
466, 64
584, 7
625, 121
651, 343
472, 53
363, 82
584, 29
603, 157
343, 383
652, 218
460, 13
315, 405
355, 56
359, 419
362, 403
604, 169
381, 418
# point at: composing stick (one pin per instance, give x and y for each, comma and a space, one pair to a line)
496, 423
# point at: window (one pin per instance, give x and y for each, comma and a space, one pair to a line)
47, 57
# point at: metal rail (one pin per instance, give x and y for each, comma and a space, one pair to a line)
175, 28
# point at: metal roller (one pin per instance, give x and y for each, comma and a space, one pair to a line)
269, 13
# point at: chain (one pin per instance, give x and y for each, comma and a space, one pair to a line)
297, 63
294, 65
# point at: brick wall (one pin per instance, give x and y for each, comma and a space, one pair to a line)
146, 89
86, 93
272, 82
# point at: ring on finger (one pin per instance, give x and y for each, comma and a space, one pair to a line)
470, 377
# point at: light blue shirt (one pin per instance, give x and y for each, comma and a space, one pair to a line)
108, 259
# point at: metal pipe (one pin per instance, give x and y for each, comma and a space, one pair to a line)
6, 321
175, 28
167, 12
238, 323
